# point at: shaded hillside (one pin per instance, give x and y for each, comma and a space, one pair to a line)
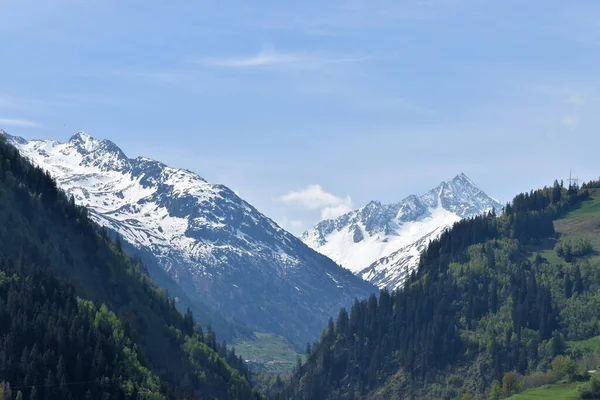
44, 234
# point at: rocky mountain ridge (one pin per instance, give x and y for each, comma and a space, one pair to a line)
381, 243
217, 247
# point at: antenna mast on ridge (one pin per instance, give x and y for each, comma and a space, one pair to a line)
573, 182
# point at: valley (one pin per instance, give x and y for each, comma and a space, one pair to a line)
339, 200
201, 241
484, 290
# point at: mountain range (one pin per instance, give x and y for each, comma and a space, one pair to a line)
217, 247
499, 305
81, 319
381, 243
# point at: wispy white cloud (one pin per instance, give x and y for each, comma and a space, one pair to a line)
335, 211
313, 197
24, 123
269, 57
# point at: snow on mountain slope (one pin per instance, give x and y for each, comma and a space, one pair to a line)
218, 248
381, 242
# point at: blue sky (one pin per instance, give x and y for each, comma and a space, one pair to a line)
310, 108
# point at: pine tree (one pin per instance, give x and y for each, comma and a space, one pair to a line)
557, 343
330, 329
342, 322
49, 383
578, 286
494, 297
118, 244
298, 363
568, 286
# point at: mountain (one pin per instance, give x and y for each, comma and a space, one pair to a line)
498, 304
217, 247
381, 243
79, 319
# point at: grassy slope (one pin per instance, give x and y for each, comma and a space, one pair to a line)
590, 207
583, 222
270, 352
590, 345
558, 391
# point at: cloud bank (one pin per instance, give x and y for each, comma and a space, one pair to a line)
314, 197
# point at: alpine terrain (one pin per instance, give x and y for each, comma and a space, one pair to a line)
381, 243
218, 248
80, 319
499, 305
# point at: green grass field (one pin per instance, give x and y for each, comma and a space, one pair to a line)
268, 351
558, 391
583, 222
589, 207
590, 345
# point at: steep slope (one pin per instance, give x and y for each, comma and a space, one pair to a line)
381, 242
217, 247
76, 314
495, 299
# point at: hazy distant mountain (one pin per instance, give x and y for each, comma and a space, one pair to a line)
381, 243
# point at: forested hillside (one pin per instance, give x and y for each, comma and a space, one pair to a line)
78, 319
492, 310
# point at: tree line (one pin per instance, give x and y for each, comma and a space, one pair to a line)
476, 309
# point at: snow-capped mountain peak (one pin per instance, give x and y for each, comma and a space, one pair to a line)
374, 240
219, 248
83, 140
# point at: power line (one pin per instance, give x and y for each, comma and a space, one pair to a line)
573, 180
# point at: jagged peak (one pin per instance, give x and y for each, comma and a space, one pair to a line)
373, 204
460, 189
460, 183
87, 145
11, 138
81, 136
84, 142
463, 178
